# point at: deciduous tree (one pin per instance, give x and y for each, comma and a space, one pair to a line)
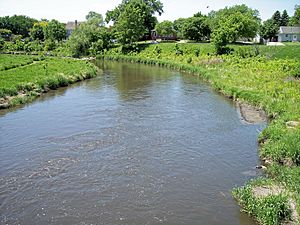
165, 28
55, 31
148, 7
295, 20
37, 32
19, 25
196, 28
269, 29
129, 27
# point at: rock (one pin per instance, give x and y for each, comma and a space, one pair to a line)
292, 124
251, 114
4, 105
260, 167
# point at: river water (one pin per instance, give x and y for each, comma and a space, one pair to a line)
135, 145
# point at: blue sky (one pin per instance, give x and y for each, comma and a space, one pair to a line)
69, 10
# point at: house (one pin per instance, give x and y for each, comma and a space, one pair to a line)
71, 26
289, 34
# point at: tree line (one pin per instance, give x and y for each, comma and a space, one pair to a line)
132, 20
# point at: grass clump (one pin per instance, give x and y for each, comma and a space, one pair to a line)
270, 209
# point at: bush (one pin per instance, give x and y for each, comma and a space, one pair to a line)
177, 50
2, 42
49, 45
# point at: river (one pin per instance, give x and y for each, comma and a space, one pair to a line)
135, 145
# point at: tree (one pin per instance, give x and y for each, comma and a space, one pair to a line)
129, 26
178, 26
284, 18
269, 29
232, 27
37, 32
5, 34
154, 6
150, 7
196, 28
231, 24
249, 18
165, 28
91, 37
295, 20
95, 18
55, 31
277, 18
19, 25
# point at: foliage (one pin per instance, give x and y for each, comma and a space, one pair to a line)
231, 24
90, 37
196, 28
128, 27
284, 18
2, 42
55, 31
5, 34
18, 25
269, 29
295, 20
270, 210
178, 26
277, 18
165, 28
37, 32
95, 18
144, 9
247, 28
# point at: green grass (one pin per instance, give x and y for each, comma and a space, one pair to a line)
40, 76
270, 209
12, 61
267, 77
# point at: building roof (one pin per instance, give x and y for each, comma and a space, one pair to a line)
289, 30
71, 25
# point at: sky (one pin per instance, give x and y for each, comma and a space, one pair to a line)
70, 10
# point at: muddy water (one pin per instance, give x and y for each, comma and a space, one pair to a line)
136, 145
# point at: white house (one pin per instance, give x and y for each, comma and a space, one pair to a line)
289, 34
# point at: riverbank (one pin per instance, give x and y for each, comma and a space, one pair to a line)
266, 78
24, 77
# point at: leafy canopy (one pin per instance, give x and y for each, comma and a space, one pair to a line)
145, 9
295, 20
233, 23
90, 37
196, 28
129, 26
165, 28
55, 31
19, 25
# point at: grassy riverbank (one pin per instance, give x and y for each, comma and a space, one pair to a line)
267, 78
22, 78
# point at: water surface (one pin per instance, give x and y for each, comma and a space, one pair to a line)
136, 145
